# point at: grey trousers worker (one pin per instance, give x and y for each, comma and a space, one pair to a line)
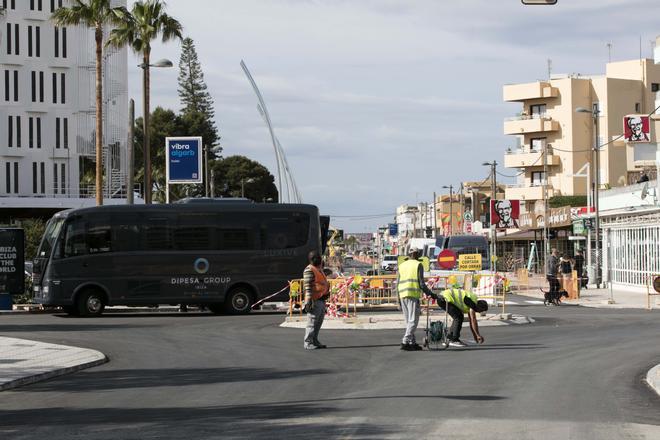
314, 322
411, 310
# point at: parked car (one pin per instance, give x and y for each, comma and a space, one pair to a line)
389, 262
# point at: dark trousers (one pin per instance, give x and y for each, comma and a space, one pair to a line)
457, 316
554, 283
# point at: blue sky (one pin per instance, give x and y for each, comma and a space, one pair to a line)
382, 102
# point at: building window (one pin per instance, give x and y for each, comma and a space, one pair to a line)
63, 87
6, 85
43, 177
54, 77
40, 5
57, 42
62, 174
37, 37
30, 132
537, 110
63, 42
15, 177
38, 132
65, 130
57, 132
31, 5
536, 144
55, 178
8, 38
41, 87
35, 184
8, 177
15, 85
638, 107
10, 131
29, 41
538, 178
18, 132
34, 86
655, 87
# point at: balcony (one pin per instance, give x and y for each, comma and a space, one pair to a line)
525, 124
523, 192
523, 92
527, 158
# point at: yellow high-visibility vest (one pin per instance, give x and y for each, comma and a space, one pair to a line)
457, 298
408, 285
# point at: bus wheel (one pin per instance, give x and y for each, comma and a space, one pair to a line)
238, 301
91, 303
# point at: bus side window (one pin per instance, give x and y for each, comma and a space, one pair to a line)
285, 231
75, 244
157, 234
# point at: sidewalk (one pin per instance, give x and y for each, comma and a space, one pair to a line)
23, 362
600, 298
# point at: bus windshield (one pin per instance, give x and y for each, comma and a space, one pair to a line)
53, 228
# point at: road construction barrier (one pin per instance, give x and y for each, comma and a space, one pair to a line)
347, 294
652, 288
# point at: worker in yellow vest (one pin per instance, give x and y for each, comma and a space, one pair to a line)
410, 285
458, 301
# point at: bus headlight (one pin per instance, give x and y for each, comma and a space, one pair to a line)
45, 290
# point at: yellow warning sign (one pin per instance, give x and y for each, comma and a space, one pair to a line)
469, 262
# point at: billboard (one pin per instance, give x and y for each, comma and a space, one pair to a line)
636, 128
504, 214
12, 262
183, 159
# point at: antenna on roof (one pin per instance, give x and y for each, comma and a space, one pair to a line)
549, 69
609, 52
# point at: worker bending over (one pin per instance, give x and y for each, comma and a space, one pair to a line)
458, 301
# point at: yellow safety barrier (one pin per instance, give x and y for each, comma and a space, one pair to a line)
347, 293
651, 288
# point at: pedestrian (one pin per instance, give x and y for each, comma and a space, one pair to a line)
457, 302
552, 269
566, 270
410, 285
317, 290
579, 268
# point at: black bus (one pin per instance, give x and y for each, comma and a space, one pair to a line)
224, 255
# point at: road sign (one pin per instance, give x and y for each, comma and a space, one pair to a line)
467, 216
469, 262
588, 223
184, 159
394, 229
447, 259
12, 263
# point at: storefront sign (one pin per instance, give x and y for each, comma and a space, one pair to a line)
559, 217
183, 159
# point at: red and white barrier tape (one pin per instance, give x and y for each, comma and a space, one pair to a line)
270, 296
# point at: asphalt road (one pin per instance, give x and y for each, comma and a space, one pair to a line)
575, 373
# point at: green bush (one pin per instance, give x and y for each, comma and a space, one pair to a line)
572, 201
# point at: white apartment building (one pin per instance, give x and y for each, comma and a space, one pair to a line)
47, 110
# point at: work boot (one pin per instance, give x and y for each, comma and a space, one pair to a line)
415, 347
457, 343
311, 347
317, 344
405, 347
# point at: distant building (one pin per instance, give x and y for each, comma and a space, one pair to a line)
47, 116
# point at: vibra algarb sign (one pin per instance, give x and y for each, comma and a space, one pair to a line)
184, 159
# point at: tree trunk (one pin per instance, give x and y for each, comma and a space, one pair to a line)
147, 146
99, 114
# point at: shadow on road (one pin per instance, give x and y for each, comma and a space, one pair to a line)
167, 377
363, 346
55, 327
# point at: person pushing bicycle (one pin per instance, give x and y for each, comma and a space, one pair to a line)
457, 301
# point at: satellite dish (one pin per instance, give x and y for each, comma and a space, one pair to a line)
645, 190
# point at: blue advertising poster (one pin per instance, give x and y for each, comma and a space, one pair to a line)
184, 159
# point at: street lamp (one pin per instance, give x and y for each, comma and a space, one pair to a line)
451, 199
493, 196
243, 182
145, 123
595, 114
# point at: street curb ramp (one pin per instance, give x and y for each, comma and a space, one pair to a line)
653, 379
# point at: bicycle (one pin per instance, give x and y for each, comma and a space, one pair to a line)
436, 332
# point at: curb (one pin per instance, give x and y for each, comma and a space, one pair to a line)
51, 374
653, 379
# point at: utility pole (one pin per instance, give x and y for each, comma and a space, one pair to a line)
206, 170
546, 244
451, 210
435, 218
596, 114
212, 185
461, 208
129, 152
493, 198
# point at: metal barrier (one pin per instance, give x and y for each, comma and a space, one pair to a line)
367, 292
651, 286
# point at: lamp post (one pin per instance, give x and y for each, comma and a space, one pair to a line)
595, 157
451, 198
493, 196
243, 182
145, 124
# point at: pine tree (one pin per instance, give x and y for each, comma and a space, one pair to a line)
196, 100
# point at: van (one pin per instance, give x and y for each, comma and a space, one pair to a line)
469, 244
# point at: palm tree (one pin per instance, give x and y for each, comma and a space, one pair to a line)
95, 14
138, 28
